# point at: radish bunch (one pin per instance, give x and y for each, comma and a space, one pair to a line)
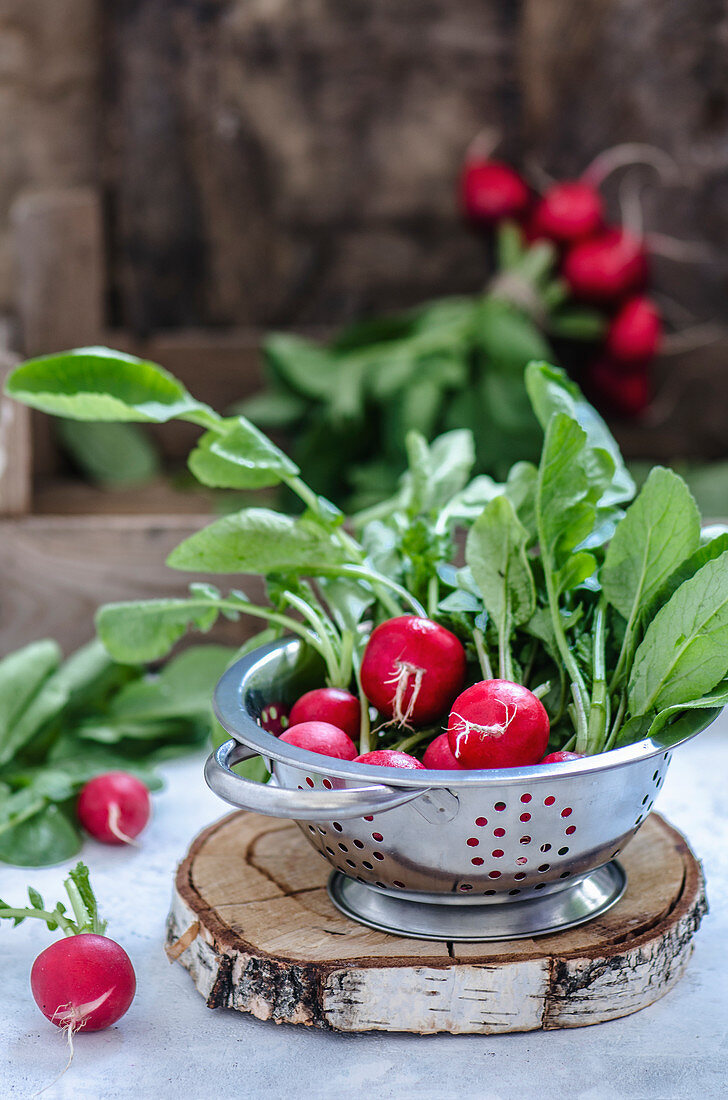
602, 264
412, 671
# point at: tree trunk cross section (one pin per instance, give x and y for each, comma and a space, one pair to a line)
252, 923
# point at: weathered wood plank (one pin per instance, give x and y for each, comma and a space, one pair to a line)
56, 570
15, 449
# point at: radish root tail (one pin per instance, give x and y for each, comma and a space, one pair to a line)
464, 727
407, 678
115, 828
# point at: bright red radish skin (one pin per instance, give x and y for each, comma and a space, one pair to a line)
498, 724
114, 808
389, 758
333, 705
320, 737
605, 268
562, 757
635, 332
412, 669
568, 212
438, 755
84, 982
491, 191
274, 718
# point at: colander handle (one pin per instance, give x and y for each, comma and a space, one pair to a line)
311, 805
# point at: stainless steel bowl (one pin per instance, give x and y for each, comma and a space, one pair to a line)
478, 855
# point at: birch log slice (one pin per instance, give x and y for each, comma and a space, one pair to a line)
252, 923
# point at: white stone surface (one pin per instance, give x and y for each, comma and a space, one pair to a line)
169, 1045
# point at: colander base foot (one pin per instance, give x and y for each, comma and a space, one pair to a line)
581, 901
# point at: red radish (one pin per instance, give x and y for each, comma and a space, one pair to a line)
114, 808
438, 755
635, 331
604, 269
568, 212
497, 724
412, 669
627, 394
85, 982
333, 705
389, 758
320, 737
491, 191
274, 717
562, 757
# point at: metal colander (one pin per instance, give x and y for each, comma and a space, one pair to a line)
476, 855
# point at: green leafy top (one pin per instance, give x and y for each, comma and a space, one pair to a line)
617, 618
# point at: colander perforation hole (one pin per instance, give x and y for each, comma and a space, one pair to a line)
350, 863
494, 874
488, 893
322, 831
520, 875
540, 886
499, 806
330, 851
563, 851
499, 832
544, 868
466, 886
378, 837
398, 883
545, 847
645, 800
477, 861
512, 892
567, 811
339, 828
472, 842
525, 818
369, 866
311, 829
525, 840
358, 844
378, 855
655, 776
327, 783
300, 787
309, 780
565, 874
549, 800
526, 797
381, 885
343, 848
522, 861
369, 817
497, 853
571, 830
481, 821
615, 853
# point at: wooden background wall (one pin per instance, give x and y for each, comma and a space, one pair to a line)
177, 176
269, 162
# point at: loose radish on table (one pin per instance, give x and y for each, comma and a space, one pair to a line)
114, 807
412, 669
567, 212
491, 191
634, 332
333, 705
320, 737
497, 724
438, 755
389, 758
84, 982
605, 268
